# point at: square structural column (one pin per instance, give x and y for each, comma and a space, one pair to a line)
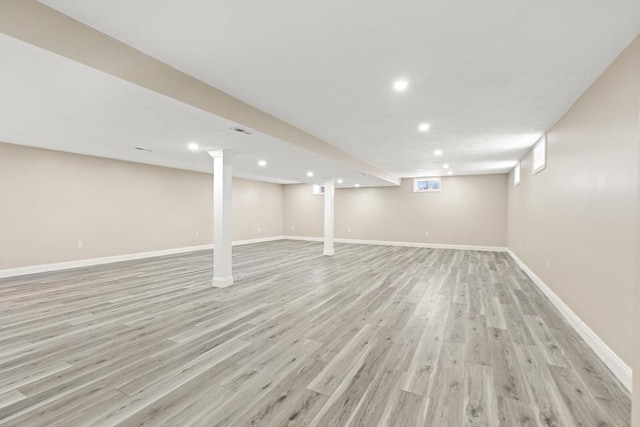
222, 221
329, 196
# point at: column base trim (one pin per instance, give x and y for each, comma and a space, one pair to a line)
222, 282
328, 252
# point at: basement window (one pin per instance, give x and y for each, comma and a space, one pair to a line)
516, 175
540, 155
426, 185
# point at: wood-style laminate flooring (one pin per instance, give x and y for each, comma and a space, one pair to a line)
373, 336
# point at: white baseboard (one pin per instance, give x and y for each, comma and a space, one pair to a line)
406, 244
258, 240
21, 271
620, 369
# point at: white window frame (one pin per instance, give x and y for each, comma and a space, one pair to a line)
536, 149
516, 174
429, 178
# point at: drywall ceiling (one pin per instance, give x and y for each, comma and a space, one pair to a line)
49, 101
489, 77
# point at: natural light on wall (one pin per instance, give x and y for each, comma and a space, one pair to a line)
540, 155
516, 175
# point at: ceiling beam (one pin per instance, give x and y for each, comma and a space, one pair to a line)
44, 27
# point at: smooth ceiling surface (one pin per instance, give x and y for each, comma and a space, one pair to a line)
489, 77
49, 101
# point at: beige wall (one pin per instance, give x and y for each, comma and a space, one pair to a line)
580, 213
50, 200
470, 210
257, 209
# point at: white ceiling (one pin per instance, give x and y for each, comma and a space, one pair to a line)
489, 77
49, 101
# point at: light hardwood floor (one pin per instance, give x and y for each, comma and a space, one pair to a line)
375, 335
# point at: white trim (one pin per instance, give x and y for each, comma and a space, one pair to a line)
258, 240
309, 239
222, 282
620, 369
21, 271
405, 244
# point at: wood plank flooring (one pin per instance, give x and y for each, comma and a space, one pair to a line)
373, 336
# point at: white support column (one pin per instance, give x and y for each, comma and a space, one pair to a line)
329, 192
222, 226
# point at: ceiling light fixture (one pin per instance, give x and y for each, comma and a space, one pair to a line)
339, 181
357, 185
450, 173
309, 174
446, 166
438, 152
193, 146
423, 127
262, 163
400, 85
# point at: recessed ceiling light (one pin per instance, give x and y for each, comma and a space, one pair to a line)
262, 163
357, 185
193, 146
309, 174
423, 127
339, 181
450, 173
400, 85
438, 152
446, 166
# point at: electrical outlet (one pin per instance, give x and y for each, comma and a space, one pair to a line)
259, 229
349, 230
80, 244
548, 263
292, 228
426, 234
197, 234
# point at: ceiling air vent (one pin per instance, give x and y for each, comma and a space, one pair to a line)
240, 130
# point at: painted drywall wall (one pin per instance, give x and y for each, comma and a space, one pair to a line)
50, 200
580, 213
470, 210
635, 397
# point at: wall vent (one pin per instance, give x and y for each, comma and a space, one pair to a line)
241, 130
